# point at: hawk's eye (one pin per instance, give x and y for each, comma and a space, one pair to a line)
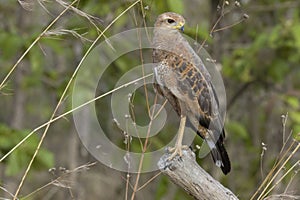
171, 21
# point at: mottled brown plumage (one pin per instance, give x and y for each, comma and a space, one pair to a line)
183, 80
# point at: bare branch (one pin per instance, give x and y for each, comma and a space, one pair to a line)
187, 174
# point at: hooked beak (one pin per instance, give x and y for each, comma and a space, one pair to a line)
180, 26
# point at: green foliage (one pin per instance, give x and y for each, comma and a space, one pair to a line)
264, 57
36, 60
269, 58
181, 194
11, 42
237, 130
292, 101
20, 158
162, 188
176, 5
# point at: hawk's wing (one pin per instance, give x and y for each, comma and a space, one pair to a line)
180, 79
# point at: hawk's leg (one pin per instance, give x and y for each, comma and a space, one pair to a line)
177, 150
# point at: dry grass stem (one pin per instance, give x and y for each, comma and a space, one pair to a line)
69, 112
33, 43
58, 181
63, 96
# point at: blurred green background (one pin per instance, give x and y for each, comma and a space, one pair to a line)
259, 59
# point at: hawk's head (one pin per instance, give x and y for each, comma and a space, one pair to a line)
170, 20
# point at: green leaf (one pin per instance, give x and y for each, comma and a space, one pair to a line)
296, 31
293, 102
45, 159
20, 157
295, 116
13, 164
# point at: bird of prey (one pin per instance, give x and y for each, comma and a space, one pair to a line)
181, 77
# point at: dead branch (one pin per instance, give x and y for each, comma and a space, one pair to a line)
187, 174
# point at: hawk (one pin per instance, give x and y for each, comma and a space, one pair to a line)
181, 77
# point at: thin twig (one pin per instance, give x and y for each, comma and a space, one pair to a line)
262, 195
127, 185
230, 25
90, 18
284, 120
8, 192
214, 30
151, 179
128, 142
272, 171
135, 189
284, 175
264, 148
214, 26
147, 103
162, 107
291, 180
142, 156
53, 182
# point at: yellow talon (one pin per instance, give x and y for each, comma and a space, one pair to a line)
177, 150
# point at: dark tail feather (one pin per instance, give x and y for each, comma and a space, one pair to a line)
219, 153
220, 157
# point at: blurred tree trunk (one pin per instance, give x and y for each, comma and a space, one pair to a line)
19, 98
73, 145
73, 141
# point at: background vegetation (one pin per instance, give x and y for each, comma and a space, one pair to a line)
255, 43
